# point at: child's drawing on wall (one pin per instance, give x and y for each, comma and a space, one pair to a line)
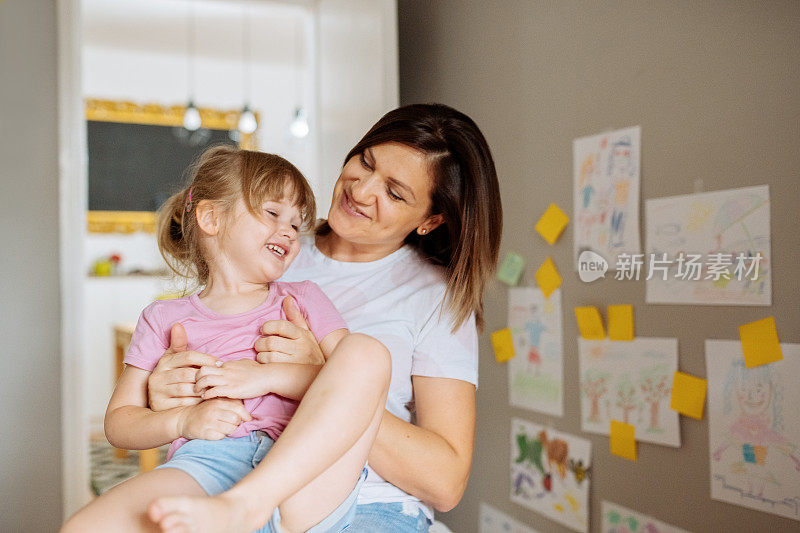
629, 381
535, 373
606, 193
550, 473
619, 519
754, 434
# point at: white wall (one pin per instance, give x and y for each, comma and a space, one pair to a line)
138, 51
30, 311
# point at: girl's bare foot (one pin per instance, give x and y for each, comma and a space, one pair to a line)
205, 514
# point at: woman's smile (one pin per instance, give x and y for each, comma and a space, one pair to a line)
349, 208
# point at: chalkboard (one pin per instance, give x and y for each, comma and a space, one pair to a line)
136, 167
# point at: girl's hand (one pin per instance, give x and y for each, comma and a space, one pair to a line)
242, 378
212, 420
288, 341
171, 383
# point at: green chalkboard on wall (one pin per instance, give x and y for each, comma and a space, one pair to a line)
136, 167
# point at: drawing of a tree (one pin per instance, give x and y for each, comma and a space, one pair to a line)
655, 387
594, 386
626, 397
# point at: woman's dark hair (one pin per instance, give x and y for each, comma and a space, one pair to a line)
465, 192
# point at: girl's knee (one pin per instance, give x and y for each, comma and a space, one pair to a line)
368, 354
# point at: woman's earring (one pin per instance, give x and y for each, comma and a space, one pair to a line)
423, 231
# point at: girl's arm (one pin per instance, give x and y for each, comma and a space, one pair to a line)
132, 426
244, 378
432, 459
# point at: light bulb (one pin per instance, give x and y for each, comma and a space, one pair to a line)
191, 118
299, 126
247, 121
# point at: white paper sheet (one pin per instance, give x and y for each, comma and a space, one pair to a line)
754, 429
619, 519
494, 521
535, 373
606, 193
550, 473
630, 381
719, 227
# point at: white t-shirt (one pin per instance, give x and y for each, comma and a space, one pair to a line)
398, 300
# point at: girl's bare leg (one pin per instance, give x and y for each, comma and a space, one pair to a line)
323, 448
124, 507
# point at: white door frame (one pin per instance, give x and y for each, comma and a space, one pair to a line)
72, 227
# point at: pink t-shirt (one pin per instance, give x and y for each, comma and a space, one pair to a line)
231, 337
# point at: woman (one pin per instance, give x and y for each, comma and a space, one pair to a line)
412, 236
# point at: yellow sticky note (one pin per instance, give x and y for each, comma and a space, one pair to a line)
589, 323
503, 344
623, 440
620, 322
688, 395
548, 278
552, 223
760, 344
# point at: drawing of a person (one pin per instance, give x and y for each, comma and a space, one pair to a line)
535, 330
755, 432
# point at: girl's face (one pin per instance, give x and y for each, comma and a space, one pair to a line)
381, 196
754, 396
259, 248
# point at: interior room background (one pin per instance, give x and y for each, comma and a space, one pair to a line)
713, 86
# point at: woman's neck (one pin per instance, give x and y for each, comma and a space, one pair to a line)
228, 298
335, 247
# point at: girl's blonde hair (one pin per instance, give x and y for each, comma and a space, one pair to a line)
223, 175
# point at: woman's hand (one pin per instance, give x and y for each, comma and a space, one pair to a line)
213, 419
242, 378
288, 341
171, 384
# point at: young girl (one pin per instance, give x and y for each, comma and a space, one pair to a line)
235, 230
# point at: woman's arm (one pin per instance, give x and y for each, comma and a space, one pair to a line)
132, 426
430, 460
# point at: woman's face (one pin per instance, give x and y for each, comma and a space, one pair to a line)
382, 195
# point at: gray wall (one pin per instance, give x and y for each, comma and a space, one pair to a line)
714, 86
30, 391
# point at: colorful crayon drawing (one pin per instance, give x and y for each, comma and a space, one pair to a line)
494, 521
754, 429
606, 193
551, 473
717, 245
535, 372
629, 381
619, 519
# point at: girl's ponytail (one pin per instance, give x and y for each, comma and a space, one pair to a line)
175, 235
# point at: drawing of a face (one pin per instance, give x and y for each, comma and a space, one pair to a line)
754, 395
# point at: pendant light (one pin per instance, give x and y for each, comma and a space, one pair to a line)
247, 119
191, 117
299, 126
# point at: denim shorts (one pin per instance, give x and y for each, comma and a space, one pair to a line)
387, 518
217, 465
